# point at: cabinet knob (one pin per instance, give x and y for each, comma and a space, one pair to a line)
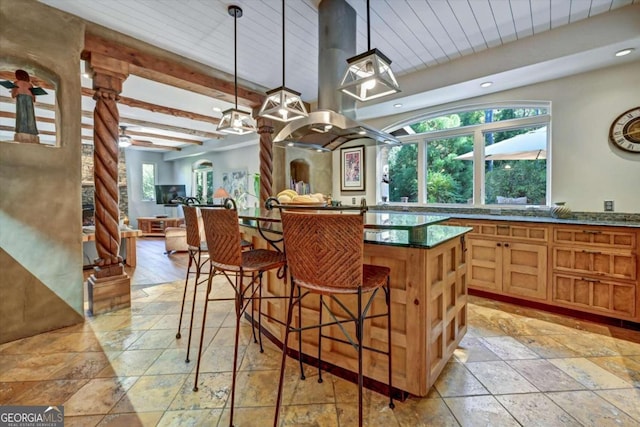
498, 244
506, 245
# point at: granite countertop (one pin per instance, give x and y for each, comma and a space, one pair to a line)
524, 215
435, 235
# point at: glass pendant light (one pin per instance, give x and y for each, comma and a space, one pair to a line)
234, 121
283, 104
369, 75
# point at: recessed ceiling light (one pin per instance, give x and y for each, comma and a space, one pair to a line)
362, 132
217, 109
398, 105
486, 84
624, 52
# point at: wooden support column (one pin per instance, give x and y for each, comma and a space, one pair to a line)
109, 286
265, 129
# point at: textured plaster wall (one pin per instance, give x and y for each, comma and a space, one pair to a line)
586, 168
41, 284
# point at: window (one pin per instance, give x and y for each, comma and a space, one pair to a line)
148, 182
203, 181
493, 155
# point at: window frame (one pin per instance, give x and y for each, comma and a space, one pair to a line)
155, 180
478, 131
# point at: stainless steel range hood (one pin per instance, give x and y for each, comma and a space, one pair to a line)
333, 123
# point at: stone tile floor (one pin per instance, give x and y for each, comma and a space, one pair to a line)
514, 367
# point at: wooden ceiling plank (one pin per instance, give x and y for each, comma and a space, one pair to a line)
132, 121
170, 72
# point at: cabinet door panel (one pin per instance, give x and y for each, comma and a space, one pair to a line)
485, 264
598, 296
612, 264
525, 270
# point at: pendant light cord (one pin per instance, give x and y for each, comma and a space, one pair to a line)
368, 29
283, 44
235, 54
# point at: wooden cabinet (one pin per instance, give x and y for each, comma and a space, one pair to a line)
508, 267
595, 270
152, 226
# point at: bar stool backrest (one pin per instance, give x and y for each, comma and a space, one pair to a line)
324, 251
193, 221
222, 231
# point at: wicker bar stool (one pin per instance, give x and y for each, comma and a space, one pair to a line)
325, 257
222, 232
198, 257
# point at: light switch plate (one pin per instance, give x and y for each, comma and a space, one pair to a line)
608, 205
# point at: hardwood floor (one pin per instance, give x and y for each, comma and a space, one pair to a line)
154, 267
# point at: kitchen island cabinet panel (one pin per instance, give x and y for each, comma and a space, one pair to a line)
428, 309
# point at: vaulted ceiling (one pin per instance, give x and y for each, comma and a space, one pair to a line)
419, 36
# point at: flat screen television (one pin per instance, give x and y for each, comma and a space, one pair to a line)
167, 194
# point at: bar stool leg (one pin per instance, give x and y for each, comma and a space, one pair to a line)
204, 321
193, 304
320, 342
302, 376
184, 295
253, 328
260, 311
283, 362
235, 350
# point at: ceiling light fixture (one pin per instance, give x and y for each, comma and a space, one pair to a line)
369, 75
234, 121
124, 140
486, 84
283, 104
398, 105
624, 52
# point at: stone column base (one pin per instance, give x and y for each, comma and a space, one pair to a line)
26, 137
108, 293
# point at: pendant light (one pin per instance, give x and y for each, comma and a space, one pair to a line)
234, 121
283, 104
369, 75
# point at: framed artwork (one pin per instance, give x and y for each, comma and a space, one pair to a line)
352, 169
235, 182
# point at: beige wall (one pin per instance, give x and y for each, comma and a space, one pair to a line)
586, 168
40, 218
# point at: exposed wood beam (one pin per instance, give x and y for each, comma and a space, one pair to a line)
170, 72
13, 129
10, 115
136, 103
138, 143
137, 122
130, 102
169, 138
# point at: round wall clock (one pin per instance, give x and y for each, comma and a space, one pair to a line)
625, 131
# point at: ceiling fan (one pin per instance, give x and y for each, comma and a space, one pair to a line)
125, 140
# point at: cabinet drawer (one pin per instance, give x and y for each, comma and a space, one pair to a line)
592, 236
520, 231
607, 297
584, 261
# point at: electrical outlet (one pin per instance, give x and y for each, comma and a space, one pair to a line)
608, 205
353, 200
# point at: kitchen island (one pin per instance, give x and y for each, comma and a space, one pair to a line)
428, 296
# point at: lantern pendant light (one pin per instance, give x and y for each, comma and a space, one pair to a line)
283, 104
234, 121
369, 75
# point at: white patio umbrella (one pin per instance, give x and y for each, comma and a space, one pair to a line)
526, 146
